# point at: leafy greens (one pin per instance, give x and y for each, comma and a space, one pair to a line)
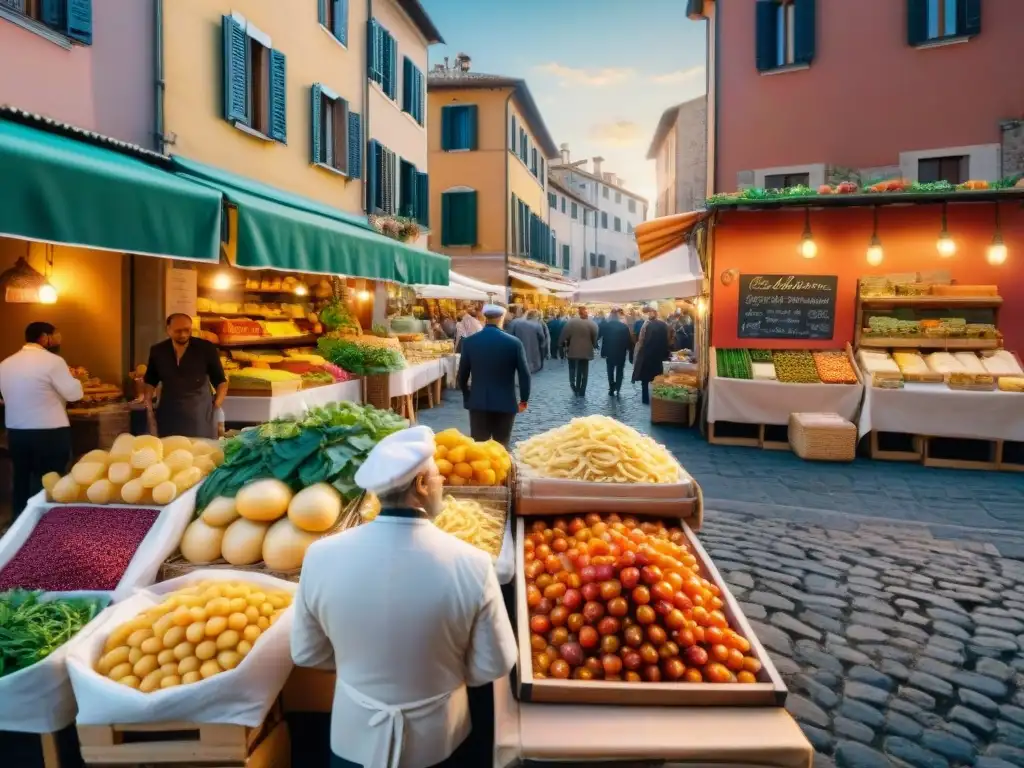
31, 628
361, 359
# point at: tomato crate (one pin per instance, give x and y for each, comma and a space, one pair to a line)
182, 744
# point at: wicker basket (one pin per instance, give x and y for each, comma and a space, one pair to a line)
822, 437
377, 390
670, 411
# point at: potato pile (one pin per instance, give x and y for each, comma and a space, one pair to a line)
195, 633
136, 470
465, 462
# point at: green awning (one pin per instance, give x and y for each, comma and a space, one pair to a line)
280, 230
57, 189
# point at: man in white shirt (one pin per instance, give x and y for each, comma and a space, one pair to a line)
407, 614
36, 387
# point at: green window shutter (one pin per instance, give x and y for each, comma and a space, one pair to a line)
340, 20
458, 218
766, 41
321, 11
355, 145
566, 260
407, 189
421, 98
917, 22
388, 181
374, 70
423, 199
446, 219
469, 217
407, 85
447, 123
53, 13
804, 34
236, 86
512, 138
278, 98
78, 14
574, 211
472, 125
968, 17
392, 67
316, 104
372, 176
552, 201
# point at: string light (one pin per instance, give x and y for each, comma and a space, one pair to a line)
945, 244
875, 253
808, 248
997, 251
364, 295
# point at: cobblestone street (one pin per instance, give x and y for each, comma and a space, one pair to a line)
890, 596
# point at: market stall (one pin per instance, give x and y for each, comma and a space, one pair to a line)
676, 274
536, 286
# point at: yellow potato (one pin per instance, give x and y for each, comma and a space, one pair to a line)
196, 632
228, 640
238, 621
216, 625
170, 668
215, 589
229, 659
252, 633
170, 681
219, 606
279, 599
252, 613
191, 677
130, 680
134, 655
210, 668
120, 671
117, 638
256, 598
182, 616
206, 650
144, 666
152, 646
237, 604
266, 609
173, 636
112, 659
161, 625
166, 656
184, 650
151, 681
136, 638
198, 613
244, 646
186, 665
263, 623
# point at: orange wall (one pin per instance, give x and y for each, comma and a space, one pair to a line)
766, 242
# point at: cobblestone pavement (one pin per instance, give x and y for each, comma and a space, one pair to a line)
888, 595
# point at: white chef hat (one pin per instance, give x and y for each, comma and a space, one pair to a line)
493, 310
396, 460
652, 307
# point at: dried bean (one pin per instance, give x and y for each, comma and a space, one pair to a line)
795, 367
834, 368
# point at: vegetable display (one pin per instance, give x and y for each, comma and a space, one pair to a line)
32, 628
611, 598
795, 367
195, 633
360, 358
675, 392
78, 549
834, 367
327, 445
734, 363
464, 462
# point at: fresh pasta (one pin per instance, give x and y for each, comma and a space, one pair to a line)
466, 519
599, 449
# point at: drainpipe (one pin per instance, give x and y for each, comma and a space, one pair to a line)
160, 85
367, 203
509, 236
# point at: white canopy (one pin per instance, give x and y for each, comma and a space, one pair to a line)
455, 278
451, 291
540, 282
674, 275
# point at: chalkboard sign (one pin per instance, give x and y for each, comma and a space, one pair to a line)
787, 306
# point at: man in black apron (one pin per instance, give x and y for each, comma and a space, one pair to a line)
187, 369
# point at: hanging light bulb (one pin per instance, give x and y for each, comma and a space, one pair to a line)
364, 295
47, 294
301, 289
808, 248
997, 251
875, 254
702, 306
222, 281
945, 244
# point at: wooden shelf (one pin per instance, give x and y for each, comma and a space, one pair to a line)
210, 315
919, 342
271, 341
935, 301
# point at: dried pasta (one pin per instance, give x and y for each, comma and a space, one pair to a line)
599, 449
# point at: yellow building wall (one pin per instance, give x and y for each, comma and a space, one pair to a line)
193, 102
522, 183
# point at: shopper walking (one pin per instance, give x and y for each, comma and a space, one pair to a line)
515, 316
490, 363
401, 698
579, 336
616, 341
467, 326
36, 387
555, 326
533, 334
652, 350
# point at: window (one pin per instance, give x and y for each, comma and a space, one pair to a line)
381, 181
524, 145
604, 220
382, 55
71, 18
334, 17
512, 136
552, 200
255, 83
604, 192
413, 92
618, 197
785, 33
618, 224
632, 205
566, 257
934, 20
543, 176
600, 260
533, 161
593, 259
540, 240
458, 127
337, 133
573, 210
784, 180
951, 169
413, 193
612, 266
458, 218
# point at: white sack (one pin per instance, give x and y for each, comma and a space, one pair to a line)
239, 696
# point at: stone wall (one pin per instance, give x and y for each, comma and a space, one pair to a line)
1013, 147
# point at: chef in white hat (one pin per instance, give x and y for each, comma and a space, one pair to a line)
407, 614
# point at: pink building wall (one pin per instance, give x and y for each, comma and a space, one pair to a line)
868, 95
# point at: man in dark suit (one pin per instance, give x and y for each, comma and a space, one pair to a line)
493, 359
616, 341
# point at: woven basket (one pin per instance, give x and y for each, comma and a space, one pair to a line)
377, 390
817, 440
669, 411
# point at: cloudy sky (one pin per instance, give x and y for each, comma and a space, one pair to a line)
601, 71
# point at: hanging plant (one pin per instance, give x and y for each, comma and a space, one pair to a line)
399, 228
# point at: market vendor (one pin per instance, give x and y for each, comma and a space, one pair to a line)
407, 614
188, 370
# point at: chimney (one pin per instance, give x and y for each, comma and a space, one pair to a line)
446, 62
462, 62
609, 177
597, 165
564, 153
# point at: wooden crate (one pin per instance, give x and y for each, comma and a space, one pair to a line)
769, 691
914, 454
58, 749
189, 744
990, 462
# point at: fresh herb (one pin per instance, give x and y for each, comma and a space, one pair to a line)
361, 359
675, 392
31, 629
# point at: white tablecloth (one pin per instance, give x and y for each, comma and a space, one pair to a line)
771, 402
935, 410
450, 367
256, 410
414, 378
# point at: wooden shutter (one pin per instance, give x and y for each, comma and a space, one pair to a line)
421, 98
766, 38
458, 218
968, 17
423, 199
372, 176
236, 86
53, 13
804, 34
447, 124
389, 181
278, 97
321, 11
407, 85
340, 20
406, 189
446, 218
471, 123
468, 217
917, 22
78, 14
316, 103
355, 145
512, 139
374, 67
390, 63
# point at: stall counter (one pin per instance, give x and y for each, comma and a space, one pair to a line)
411, 380
257, 410
695, 735
772, 402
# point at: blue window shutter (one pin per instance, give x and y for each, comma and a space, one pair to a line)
372, 50
79, 20
392, 67
804, 34
968, 17
278, 97
53, 13
372, 174
446, 219
469, 217
447, 123
421, 101
236, 86
321, 11
766, 36
471, 124
408, 83
917, 21
316, 102
423, 199
340, 20
355, 145
551, 200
